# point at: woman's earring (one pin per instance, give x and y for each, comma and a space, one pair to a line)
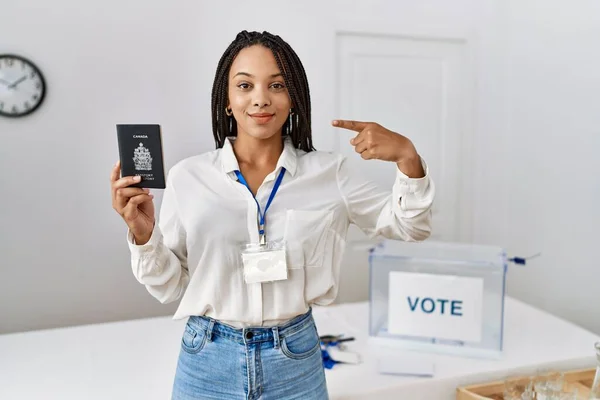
228, 111
291, 122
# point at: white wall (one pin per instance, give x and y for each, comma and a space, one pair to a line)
550, 155
537, 142
64, 259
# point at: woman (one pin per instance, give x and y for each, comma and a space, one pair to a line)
250, 235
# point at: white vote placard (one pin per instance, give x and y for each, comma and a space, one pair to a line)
435, 306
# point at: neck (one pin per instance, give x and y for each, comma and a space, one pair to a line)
259, 153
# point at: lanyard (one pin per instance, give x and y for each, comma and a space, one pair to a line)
261, 229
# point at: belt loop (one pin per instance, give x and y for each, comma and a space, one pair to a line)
275, 330
209, 329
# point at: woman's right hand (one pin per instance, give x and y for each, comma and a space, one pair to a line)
133, 204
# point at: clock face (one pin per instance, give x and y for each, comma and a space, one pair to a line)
22, 86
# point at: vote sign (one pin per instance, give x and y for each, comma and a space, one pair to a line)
435, 306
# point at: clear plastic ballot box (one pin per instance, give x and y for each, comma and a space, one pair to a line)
439, 297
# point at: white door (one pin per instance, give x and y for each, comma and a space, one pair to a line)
404, 64
417, 87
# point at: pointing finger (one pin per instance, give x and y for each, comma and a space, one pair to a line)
351, 125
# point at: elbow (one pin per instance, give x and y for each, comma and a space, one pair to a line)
417, 235
169, 293
414, 229
164, 284
407, 233
418, 229
165, 298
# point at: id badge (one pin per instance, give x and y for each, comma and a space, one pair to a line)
264, 262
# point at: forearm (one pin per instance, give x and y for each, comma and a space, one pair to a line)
403, 214
162, 273
160, 264
409, 162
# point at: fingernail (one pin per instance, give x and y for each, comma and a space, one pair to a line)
146, 190
137, 178
351, 141
335, 122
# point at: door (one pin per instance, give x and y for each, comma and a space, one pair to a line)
414, 86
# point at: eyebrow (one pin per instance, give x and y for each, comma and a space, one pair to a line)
252, 76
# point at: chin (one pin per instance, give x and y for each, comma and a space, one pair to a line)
262, 133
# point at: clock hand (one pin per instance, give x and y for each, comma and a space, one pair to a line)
14, 85
6, 82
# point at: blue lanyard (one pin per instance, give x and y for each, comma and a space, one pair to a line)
261, 229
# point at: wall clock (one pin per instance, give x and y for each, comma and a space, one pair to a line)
22, 86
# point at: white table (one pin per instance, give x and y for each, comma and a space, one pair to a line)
136, 359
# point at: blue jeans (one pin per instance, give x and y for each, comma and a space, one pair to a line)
217, 361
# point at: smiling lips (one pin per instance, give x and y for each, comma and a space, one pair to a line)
261, 118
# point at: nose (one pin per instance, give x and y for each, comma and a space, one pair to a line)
261, 98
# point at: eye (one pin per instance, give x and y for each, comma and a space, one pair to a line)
243, 85
278, 86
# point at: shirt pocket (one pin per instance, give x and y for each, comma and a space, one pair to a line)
306, 235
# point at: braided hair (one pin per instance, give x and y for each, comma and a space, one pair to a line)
298, 126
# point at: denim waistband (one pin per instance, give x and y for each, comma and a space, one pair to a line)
253, 334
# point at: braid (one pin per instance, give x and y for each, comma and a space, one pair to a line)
298, 127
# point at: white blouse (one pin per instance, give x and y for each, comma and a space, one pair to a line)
207, 214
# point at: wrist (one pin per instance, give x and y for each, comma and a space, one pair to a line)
407, 153
141, 238
411, 165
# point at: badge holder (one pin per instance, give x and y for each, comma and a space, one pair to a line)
264, 262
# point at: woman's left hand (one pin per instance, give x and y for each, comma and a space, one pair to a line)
374, 142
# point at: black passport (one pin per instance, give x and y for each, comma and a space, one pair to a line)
141, 153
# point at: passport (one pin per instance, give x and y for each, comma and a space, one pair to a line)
141, 153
